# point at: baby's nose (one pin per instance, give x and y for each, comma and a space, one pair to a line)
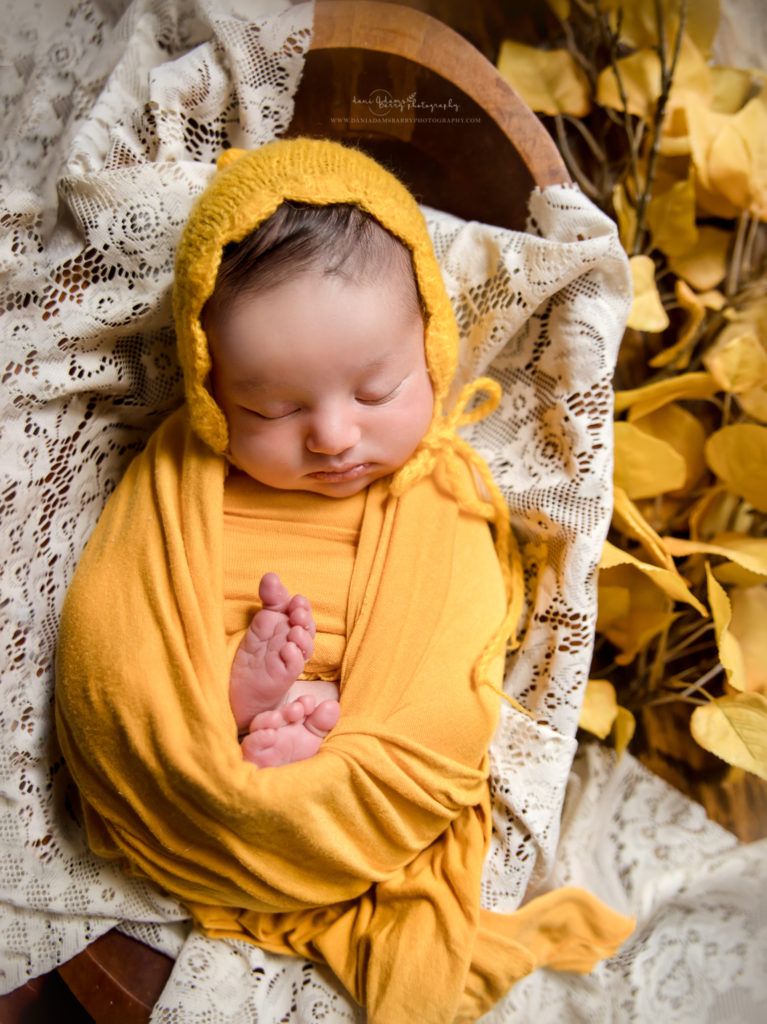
333, 432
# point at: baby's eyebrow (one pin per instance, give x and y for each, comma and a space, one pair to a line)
249, 384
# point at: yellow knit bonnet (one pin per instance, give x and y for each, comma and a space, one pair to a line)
247, 189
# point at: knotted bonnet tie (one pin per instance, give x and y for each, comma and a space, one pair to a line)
245, 191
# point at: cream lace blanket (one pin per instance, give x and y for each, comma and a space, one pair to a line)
112, 114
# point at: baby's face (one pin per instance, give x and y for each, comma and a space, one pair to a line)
323, 382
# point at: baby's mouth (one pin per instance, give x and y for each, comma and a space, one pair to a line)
340, 474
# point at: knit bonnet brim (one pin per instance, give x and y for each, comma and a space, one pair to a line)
247, 188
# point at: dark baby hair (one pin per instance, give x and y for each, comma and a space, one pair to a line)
338, 239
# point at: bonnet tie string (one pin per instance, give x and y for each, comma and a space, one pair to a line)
443, 444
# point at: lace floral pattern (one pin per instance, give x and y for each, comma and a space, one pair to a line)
114, 114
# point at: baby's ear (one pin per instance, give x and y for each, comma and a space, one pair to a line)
228, 157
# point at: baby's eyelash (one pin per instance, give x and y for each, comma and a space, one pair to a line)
262, 416
381, 400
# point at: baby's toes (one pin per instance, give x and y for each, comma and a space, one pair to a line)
323, 718
292, 659
266, 720
299, 613
298, 709
303, 640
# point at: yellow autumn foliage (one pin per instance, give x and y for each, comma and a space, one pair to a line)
734, 727
549, 81
676, 148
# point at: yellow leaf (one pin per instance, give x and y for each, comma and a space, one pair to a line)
681, 350
667, 580
734, 728
737, 360
730, 654
649, 397
685, 434
629, 520
704, 128
639, 75
753, 402
712, 513
671, 217
738, 159
626, 216
704, 266
549, 81
749, 615
648, 614
614, 604
731, 88
647, 312
639, 26
623, 730
738, 456
599, 709
748, 552
645, 465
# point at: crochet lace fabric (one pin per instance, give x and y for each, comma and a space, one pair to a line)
113, 116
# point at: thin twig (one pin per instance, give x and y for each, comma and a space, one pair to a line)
667, 77
572, 163
588, 138
736, 260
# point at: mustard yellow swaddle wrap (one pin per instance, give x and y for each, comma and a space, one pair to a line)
367, 856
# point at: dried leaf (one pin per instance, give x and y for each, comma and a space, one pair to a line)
748, 552
599, 709
729, 152
754, 403
671, 217
734, 728
738, 456
667, 580
648, 612
737, 360
685, 434
749, 615
645, 465
623, 730
646, 399
640, 77
681, 350
549, 81
639, 25
626, 216
730, 654
731, 88
738, 158
705, 266
614, 604
704, 127
647, 312
627, 519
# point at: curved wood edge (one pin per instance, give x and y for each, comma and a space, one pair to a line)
117, 978
416, 36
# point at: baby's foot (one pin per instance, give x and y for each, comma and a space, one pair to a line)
272, 653
289, 733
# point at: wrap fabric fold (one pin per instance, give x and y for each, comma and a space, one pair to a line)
381, 834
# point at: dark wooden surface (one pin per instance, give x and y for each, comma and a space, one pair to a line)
736, 800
